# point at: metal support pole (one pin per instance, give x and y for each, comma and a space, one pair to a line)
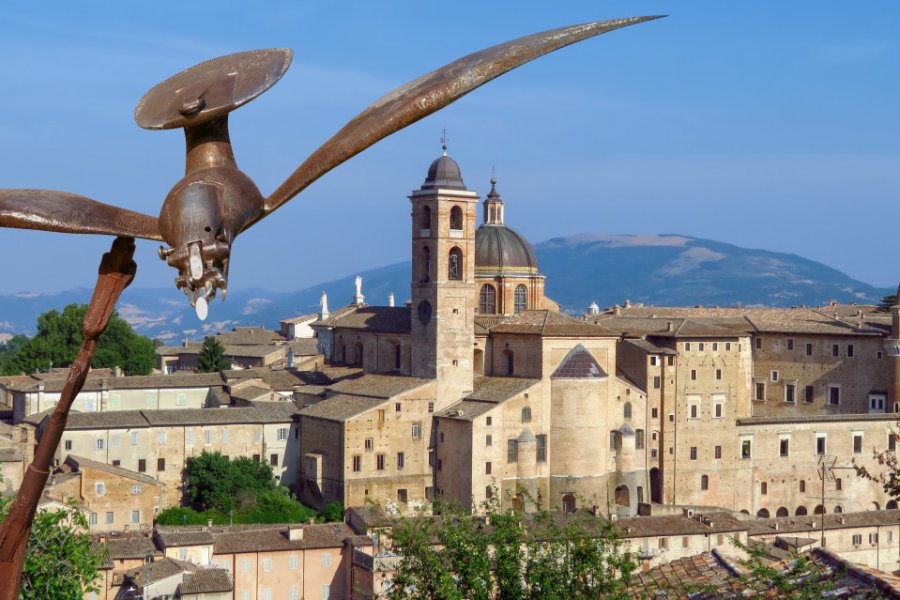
116, 271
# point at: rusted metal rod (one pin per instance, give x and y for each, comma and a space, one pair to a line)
117, 270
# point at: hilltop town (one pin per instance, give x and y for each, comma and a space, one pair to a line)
687, 427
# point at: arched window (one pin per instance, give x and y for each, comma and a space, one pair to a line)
520, 298
782, 512
763, 513
801, 511
426, 264
456, 218
426, 218
627, 410
487, 304
704, 482
819, 510
875, 506
518, 502
838, 509
891, 505
455, 264
526, 414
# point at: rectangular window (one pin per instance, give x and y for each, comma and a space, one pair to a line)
512, 451
136, 517
715, 346
431, 407
100, 488
101, 444
397, 407
381, 417
789, 392
718, 451
293, 562
541, 447
718, 373
117, 462
684, 541
810, 394
181, 400
790, 344
694, 411
417, 430
142, 465
652, 361
701, 346
820, 443
774, 376
267, 564
693, 452
93, 518
784, 447
892, 442
850, 350
639, 439
687, 346
488, 420
857, 443
245, 565
657, 382
266, 593
379, 462
488, 440
326, 592
68, 444
718, 410
225, 435
368, 444
838, 484
487, 468
654, 413
161, 438
326, 560
663, 543
693, 374
809, 349
189, 436
114, 441
110, 518
763, 488
760, 393
136, 489
857, 539
746, 449
758, 343
401, 460
835, 350
728, 346
273, 460
357, 463
834, 395
292, 593
282, 434
670, 361
208, 434
160, 464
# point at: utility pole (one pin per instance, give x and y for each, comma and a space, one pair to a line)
825, 470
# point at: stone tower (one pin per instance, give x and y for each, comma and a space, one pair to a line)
443, 280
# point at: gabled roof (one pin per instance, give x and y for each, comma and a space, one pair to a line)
206, 581
159, 570
376, 385
498, 389
579, 364
549, 323
342, 407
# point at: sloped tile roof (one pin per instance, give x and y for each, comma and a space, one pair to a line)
206, 581
549, 323
342, 407
384, 319
86, 463
498, 389
129, 546
376, 385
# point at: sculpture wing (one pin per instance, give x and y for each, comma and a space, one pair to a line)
429, 93
49, 210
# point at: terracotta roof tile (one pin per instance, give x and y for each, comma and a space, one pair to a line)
377, 386
206, 581
498, 389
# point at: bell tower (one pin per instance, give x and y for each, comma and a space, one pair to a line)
443, 280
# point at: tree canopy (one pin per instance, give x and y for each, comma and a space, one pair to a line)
220, 483
507, 554
58, 340
212, 356
60, 562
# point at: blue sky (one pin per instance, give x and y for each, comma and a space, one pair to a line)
766, 124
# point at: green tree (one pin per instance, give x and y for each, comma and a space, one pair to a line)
58, 340
9, 349
887, 302
505, 554
212, 356
60, 562
219, 483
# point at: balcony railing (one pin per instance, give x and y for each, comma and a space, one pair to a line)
456, 233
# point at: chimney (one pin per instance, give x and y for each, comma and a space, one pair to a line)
627, 303
208, 524
670, 326
117, 371
295, 534
102, 539
391, 299
813, 526
775, 526
126, 527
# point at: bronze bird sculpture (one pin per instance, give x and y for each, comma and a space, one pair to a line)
215, 201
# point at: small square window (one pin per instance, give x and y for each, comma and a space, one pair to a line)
397, 407
774, 376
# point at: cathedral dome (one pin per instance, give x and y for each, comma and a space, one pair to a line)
444, 173
501, 250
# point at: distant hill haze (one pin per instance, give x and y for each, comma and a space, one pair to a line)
665, 270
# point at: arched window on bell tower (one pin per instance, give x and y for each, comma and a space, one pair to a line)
425, 223
487, 304
426, 265
521, 298
455, 264
456, 218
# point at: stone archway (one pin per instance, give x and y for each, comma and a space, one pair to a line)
568, 503
763, 513
800, 512
782, 512
623, 496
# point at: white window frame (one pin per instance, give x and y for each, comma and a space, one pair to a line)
793, 385
282, 433
134, 438
774, 376
267, 564
326, 560
821, 435
100, 488
136, 489
245, 565
208, 436
100, 444
293, 562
